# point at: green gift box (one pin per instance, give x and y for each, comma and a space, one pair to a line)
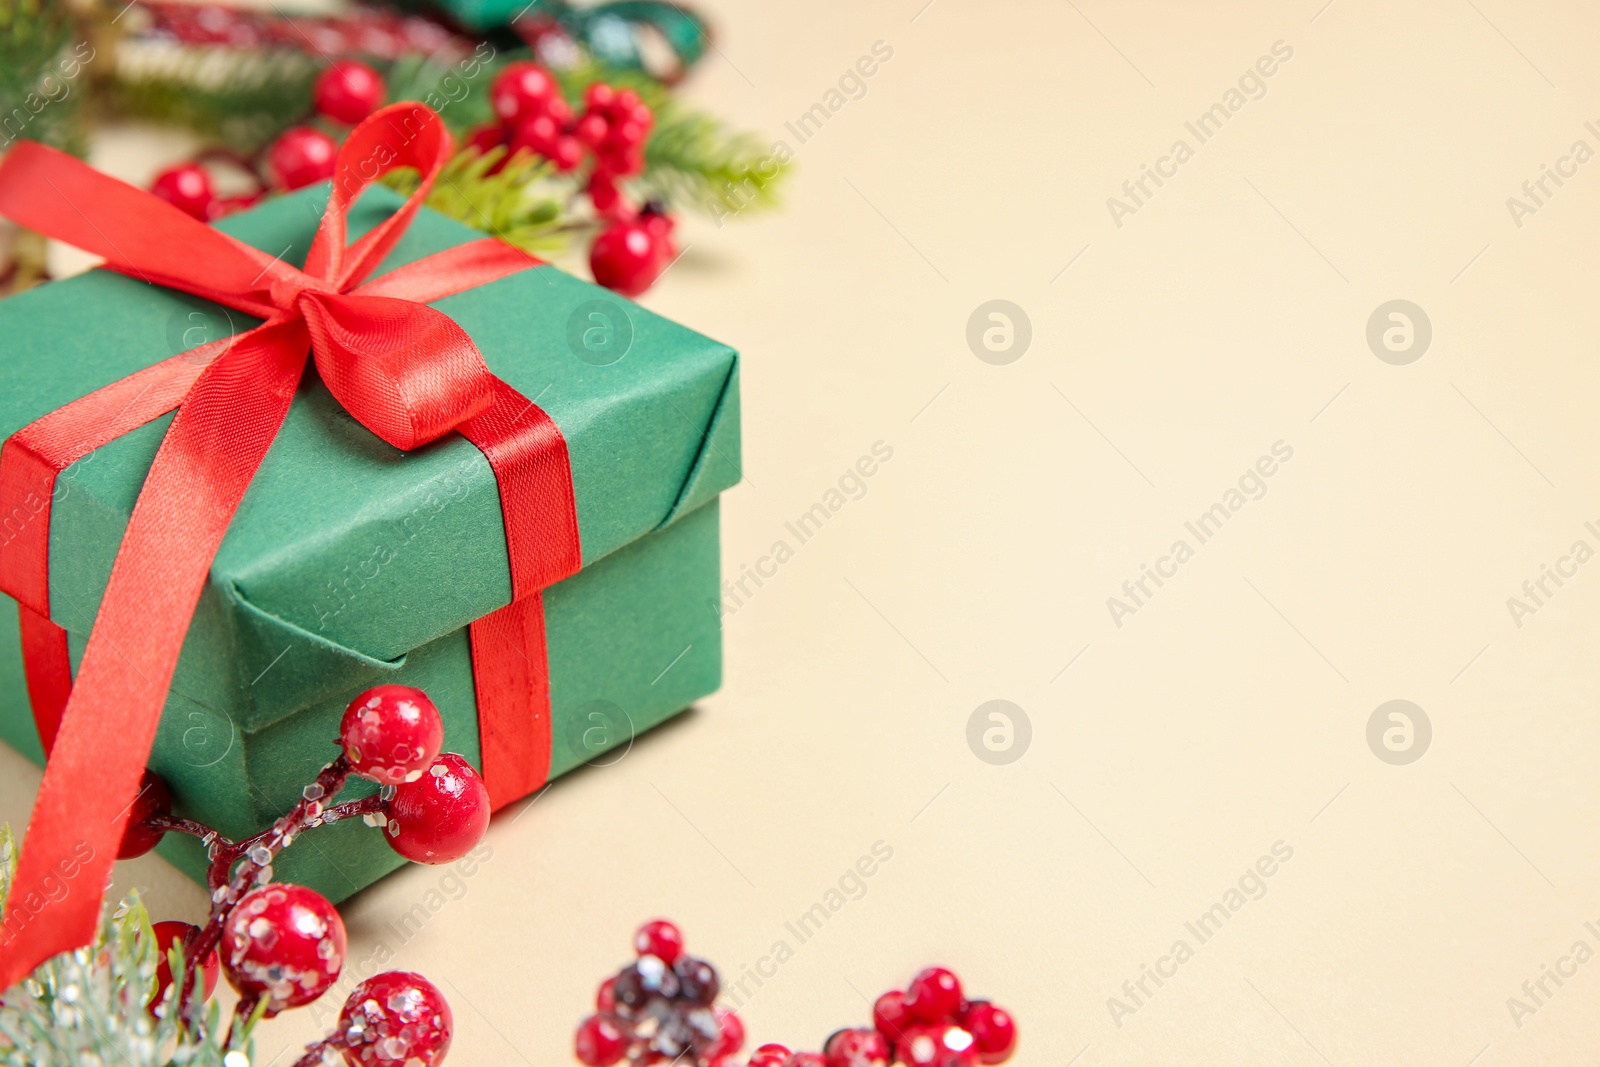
351, 563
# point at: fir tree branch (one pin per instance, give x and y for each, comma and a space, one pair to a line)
91, 1005
523, 204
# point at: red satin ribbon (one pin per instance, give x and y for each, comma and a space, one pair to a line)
402, 369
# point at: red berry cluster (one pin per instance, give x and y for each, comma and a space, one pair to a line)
659, 1008
533, 116
932, 1024
282, 946
346, 92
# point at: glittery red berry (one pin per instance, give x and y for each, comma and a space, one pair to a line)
771, 1055
520, 89
605, 999
659, 938
284, 943
301, 156
154, 799
730, 1035
186, 187
993, 1030
934, 996
889, 1015
598, 1042
856, 1048
807, 1059
441, 815
391, 734
629, 256
395, 1018
936, 1046
172, 932
347, 92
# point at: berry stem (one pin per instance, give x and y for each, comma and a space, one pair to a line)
313, 1055
257, 854
245, 1008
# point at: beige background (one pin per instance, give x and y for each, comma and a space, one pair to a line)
1228, 714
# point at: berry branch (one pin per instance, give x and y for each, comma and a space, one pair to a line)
662, 1007
282, 946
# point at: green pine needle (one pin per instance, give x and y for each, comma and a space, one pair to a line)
88, 1007
522, 204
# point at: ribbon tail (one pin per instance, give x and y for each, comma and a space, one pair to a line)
206, 462
511, 676
49, 672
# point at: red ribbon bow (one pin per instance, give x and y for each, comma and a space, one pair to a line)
404, 370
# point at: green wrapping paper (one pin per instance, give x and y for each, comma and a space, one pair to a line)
351, 563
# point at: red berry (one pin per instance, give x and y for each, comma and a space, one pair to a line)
659, 938
605, 195
624, 102
154, 799
730, 1035
591, 129
628, 162
284, 943
558, 108
439, 817
625, 135
347, 92
934, 996
538, 134
395, 1017
599, 97
628, 257
606, 998
520, 89
489, 135
391, 734
771, 1055
566, 154
936, 1046
173, 932
300, 156
856, 1048
598, 1042
807, 1059
186, 187
993, 1030
889, 1015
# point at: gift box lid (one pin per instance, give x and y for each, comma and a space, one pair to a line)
346, 553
